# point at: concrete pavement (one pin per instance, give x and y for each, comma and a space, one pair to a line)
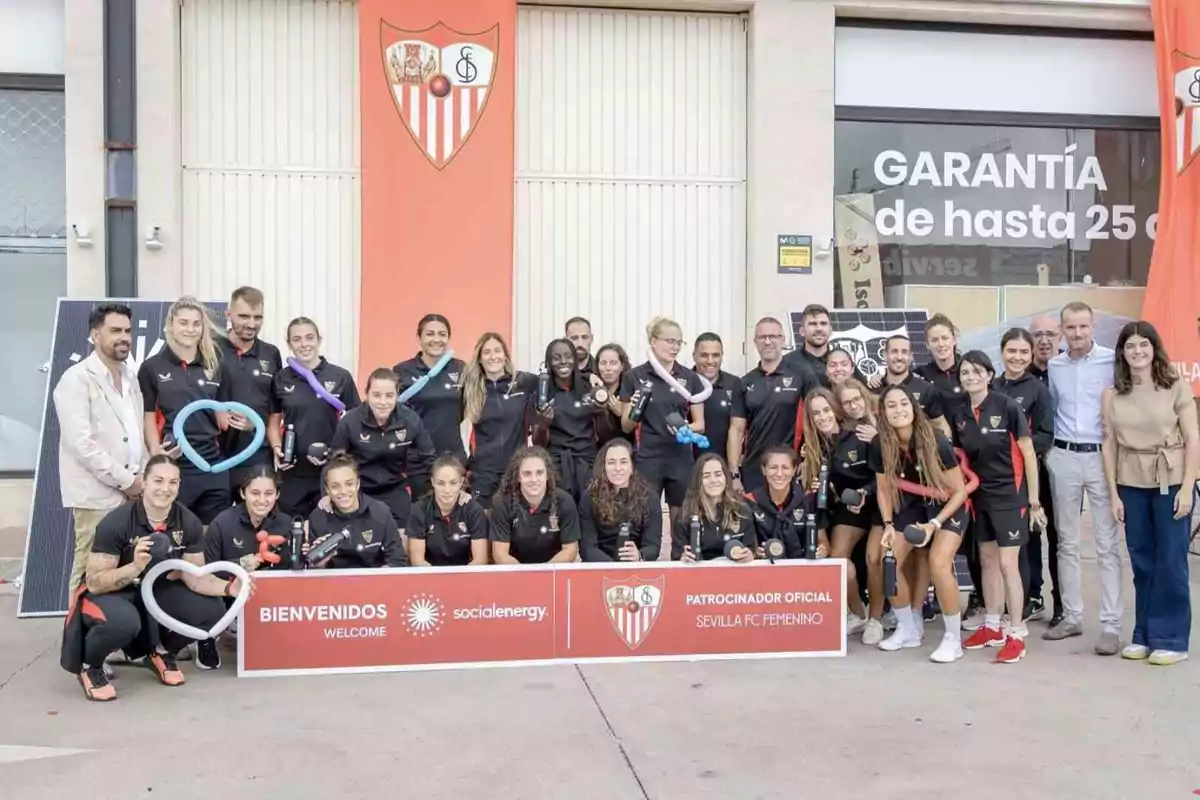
1063, 723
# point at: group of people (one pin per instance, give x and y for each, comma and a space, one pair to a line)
441, 462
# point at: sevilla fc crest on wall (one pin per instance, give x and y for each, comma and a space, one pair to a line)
1187, 109
633, 607
440, 80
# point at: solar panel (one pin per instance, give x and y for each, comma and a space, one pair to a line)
864, 331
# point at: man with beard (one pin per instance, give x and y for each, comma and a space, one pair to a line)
250, 364
813, 351
578, 331
100, 449
898, 350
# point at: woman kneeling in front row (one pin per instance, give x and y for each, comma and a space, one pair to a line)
726, 525
911, 450
619, 518
442, 530
368, 537
533, 521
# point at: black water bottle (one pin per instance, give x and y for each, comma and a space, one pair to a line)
543, 397
822, 487
694, 527
637, 404
289, 445
297, 560
622, 538
810, 536
326, 548
889, 573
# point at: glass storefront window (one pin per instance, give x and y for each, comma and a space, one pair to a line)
33, 261
993, 205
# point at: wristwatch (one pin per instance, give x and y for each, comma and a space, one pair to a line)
936, 522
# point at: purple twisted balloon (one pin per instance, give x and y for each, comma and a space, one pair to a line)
317, 388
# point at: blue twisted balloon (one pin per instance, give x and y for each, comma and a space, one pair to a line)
260, 432
685, 435
434, 371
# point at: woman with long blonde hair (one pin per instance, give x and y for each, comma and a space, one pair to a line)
653, 407
497, 403
186, 369
920, 488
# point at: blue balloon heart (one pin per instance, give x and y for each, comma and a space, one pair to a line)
260, 432
434, 371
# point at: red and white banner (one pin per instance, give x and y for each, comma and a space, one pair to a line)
402, 619
1172, 299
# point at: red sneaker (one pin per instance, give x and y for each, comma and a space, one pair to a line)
1012, 652
984, 637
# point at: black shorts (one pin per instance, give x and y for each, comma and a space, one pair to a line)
672, 477
1006, 527
864, 520
956, 524
205, 494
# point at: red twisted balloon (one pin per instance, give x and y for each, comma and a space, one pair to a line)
969, 478
265, 542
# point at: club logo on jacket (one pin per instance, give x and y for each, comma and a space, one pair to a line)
401, 434
852, 455
368, 535
177, 537
329, 385
787, 382
633, 606
554, 523
995, 422
265, 366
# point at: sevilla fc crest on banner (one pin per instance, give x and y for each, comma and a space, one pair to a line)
440, 79
633, 606
1187, 109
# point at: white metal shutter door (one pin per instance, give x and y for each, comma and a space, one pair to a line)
271, 160
630, 186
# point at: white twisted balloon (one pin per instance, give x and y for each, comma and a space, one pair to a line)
675, 385
169, 622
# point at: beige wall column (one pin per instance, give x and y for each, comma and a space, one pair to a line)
160, 272
84, 77
790, 185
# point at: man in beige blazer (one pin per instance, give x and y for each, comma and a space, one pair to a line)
101, 449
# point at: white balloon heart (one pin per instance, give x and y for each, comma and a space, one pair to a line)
190, 631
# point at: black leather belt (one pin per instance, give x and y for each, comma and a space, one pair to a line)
1077, 447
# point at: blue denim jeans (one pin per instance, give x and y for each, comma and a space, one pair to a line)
1158, 552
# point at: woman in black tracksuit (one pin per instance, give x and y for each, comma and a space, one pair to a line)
372, 538
611, 365
497, 402
567, 423
725, 520
619, 518
393, 450
781, 507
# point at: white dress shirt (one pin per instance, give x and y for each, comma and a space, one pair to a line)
1076, 386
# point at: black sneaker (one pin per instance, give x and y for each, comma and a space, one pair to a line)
1057, 619
207, 656
1035, 608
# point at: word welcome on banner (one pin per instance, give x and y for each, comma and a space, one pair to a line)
429, 618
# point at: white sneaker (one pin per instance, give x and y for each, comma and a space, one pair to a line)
901, 639
949, 651
1135, 652
889, 621
854, 623
872, 633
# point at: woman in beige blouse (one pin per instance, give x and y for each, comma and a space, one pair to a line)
1151, 454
